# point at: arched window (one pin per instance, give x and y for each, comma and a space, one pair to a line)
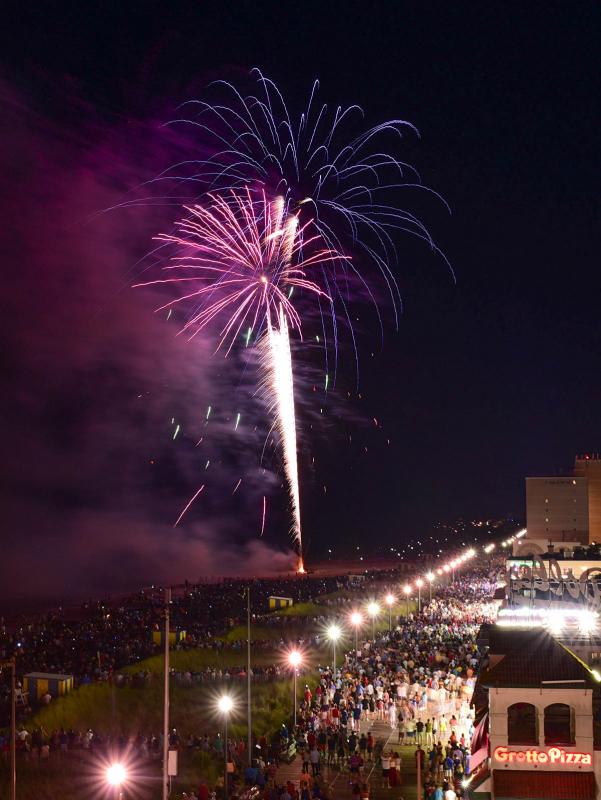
558, 724
521, 724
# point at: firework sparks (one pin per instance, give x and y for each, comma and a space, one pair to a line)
277, 361
241, 254
238, 258
188, 504
263, 517
324, 162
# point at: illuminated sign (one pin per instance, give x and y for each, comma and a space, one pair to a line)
554, 755
547, 576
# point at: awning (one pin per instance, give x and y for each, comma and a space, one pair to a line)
520, 783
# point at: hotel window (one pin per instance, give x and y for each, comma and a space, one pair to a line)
521, 724
558, 724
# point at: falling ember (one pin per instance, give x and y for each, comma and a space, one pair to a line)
188, 504
176, 432
264, 512
208, 412
237, 421
237, 486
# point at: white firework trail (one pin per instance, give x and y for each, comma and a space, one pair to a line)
279, 385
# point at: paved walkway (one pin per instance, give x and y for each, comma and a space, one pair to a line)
338, 782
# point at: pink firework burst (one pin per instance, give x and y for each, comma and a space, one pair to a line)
242, 256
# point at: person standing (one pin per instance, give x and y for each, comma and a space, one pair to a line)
385, 767
314, 758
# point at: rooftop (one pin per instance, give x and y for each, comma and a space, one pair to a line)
532, 658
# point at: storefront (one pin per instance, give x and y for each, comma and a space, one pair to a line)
540, 718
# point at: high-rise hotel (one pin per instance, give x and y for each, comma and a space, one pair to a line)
564, 511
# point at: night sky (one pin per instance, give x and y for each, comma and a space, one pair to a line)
491, 377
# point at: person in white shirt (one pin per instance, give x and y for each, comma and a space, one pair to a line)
450, 794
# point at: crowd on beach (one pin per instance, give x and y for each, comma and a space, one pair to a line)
97, 638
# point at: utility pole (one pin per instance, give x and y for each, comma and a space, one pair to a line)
250, 753
166, 700
12, 666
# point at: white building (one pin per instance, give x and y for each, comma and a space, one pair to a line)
542, 702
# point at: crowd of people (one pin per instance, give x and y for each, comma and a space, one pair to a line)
417, 678
97, 638
414, 681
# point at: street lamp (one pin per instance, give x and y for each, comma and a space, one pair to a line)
373, 609
430, 576
116, 776
225, 705
390, 599
407, 591
356, 622
294, 659
334, 633
419, 583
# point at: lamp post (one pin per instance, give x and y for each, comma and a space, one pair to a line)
248, 682
373, 609
166, 699
11, 665
356, 622
225, 705
430, 576
390, 598
294, 659
116, 776
334, 634
407, 592
419, 583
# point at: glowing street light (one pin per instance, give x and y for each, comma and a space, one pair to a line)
431, 578
225, 705
390, 600
373, 609
587, 623
419, 583
116, 775
334, 633
295, 660
356, 622
407, 591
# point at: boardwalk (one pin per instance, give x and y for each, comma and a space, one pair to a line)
339, 787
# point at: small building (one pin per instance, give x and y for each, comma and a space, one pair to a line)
280, 602
175, 637
37, 684
541, 704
